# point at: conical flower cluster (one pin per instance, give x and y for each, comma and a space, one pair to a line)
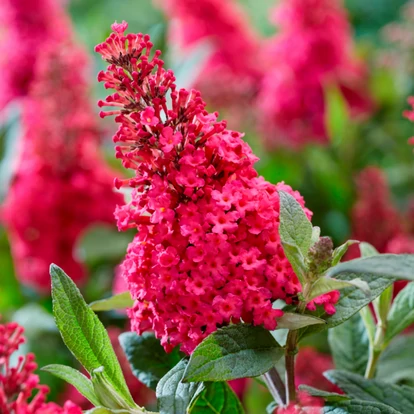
20, 391
61, 185
25, 30
207, 251
312, 50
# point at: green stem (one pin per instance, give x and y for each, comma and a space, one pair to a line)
276, 386
290, 366
291, 351
372, 363
375, 350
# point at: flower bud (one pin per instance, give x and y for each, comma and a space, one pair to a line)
320, 256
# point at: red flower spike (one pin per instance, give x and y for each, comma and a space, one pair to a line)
20, 391
312, 49
60, 179
209, 252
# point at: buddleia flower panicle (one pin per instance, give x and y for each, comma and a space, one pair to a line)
61, 184
25, 30
231, 72
207, 250
312, 49
20, 390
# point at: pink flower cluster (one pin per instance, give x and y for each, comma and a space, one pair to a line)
312, 50
232, 70
60, 180
20, 391
281, 81
207, 251
25, 30
327, 301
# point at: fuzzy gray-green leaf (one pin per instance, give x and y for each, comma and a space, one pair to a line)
75, 378
325, 285
327, 396
400, 398
295, 228
148, 360
216, 398
367, 250
358, 407
83, 333
401, 314
120, 301
350, 345
396, 363
174, 396
351, 300
293, 321
392, 266
235, 351
341, 250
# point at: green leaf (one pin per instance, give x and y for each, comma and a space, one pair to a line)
316, 233
367, 250
327, 396
358, 407
295, 228
296, 259
105, 391
296, 233
173, 395
392, 266
350, 345
120, 301
396, 363
83, 333
350, 302
75, 378
149, 362
401, 398
341, 250
217, 398
379, 272
369, 322
401, 314
104, 410
235, 351
325, 285
295, 321
383, 302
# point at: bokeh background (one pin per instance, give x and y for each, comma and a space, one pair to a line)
339, 137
